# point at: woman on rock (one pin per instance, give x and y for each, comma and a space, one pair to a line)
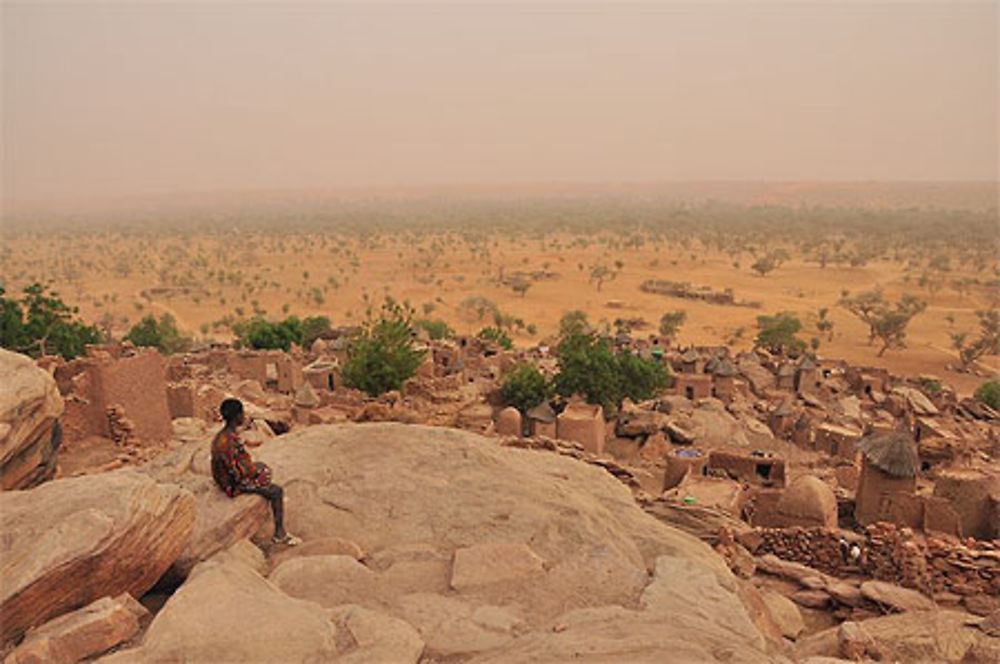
235, 472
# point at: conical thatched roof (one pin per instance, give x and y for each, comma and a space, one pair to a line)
894, 452
691, 355
724, 368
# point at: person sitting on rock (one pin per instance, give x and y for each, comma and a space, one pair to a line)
235, 472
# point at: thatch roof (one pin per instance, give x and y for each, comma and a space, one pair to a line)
724, 368
542, 412
894, 452
691, 355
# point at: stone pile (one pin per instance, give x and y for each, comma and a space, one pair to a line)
818, 548
121, 428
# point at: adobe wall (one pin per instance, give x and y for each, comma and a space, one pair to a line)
584, 424
744, 467
137, 383
693, 386
969, 493
870, 504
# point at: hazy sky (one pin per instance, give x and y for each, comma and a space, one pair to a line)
105, 99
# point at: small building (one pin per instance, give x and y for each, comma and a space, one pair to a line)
782, 420
690, 362
724, 380
542, 420
760, 468
693, 386
786, 376
836, 440
973, 495
322, 375
889, 464
681, 463
806, 375
802, 434
583, 423
807, 502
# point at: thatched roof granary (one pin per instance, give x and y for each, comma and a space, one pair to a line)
894, 453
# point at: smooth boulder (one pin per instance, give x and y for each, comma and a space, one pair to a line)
69, 542
30, 406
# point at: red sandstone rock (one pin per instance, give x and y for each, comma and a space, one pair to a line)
69, 542
86, 632
29, 407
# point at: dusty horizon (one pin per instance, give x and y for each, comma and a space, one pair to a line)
123, 101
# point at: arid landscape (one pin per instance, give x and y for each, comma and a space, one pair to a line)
541, 332
209, 265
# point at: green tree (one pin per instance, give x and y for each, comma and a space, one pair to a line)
776, 334
261, 333
161, 334
524, 387
588, 366
383, 355
40, 323
989, 394
890, 324
314, 327
670, 323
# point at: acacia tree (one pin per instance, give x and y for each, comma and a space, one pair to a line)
41, 323
890, 324
988, 342
670, 323
866, 305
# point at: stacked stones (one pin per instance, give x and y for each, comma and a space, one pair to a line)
121, 428
818, 548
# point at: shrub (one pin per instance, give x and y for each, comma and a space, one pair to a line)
260, 333
382, 355
497, 336
671, 322
436, 328
989, 394
524, 387
161, 334
41, 323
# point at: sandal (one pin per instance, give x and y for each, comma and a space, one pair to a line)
288, 540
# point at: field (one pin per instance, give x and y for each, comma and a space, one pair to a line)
591, 254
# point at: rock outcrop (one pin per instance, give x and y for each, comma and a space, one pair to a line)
72, 541
30, 406
82, 634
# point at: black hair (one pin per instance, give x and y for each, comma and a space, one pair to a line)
231, 409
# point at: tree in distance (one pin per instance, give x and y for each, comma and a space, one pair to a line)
987, 343
776, 334
670, 323
161, 334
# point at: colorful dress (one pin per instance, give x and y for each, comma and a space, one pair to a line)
233, 469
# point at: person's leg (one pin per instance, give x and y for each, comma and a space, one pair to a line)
276, 496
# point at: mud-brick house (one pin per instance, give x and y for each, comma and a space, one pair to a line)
888, 480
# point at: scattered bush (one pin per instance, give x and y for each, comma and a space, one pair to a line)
989, 394
382, 355
260, 333
524, 387
497, 336
670, 323
161, 334
435, 327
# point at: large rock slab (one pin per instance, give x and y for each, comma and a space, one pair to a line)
226, 612
220, 521
30, 406
380, 638
420, 499
895, 597
915, 636
72, 541
84, 633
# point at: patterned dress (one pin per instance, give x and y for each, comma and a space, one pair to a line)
233, 469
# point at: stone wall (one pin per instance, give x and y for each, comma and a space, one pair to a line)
931, 565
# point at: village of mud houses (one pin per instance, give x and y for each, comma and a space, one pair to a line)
540, 332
